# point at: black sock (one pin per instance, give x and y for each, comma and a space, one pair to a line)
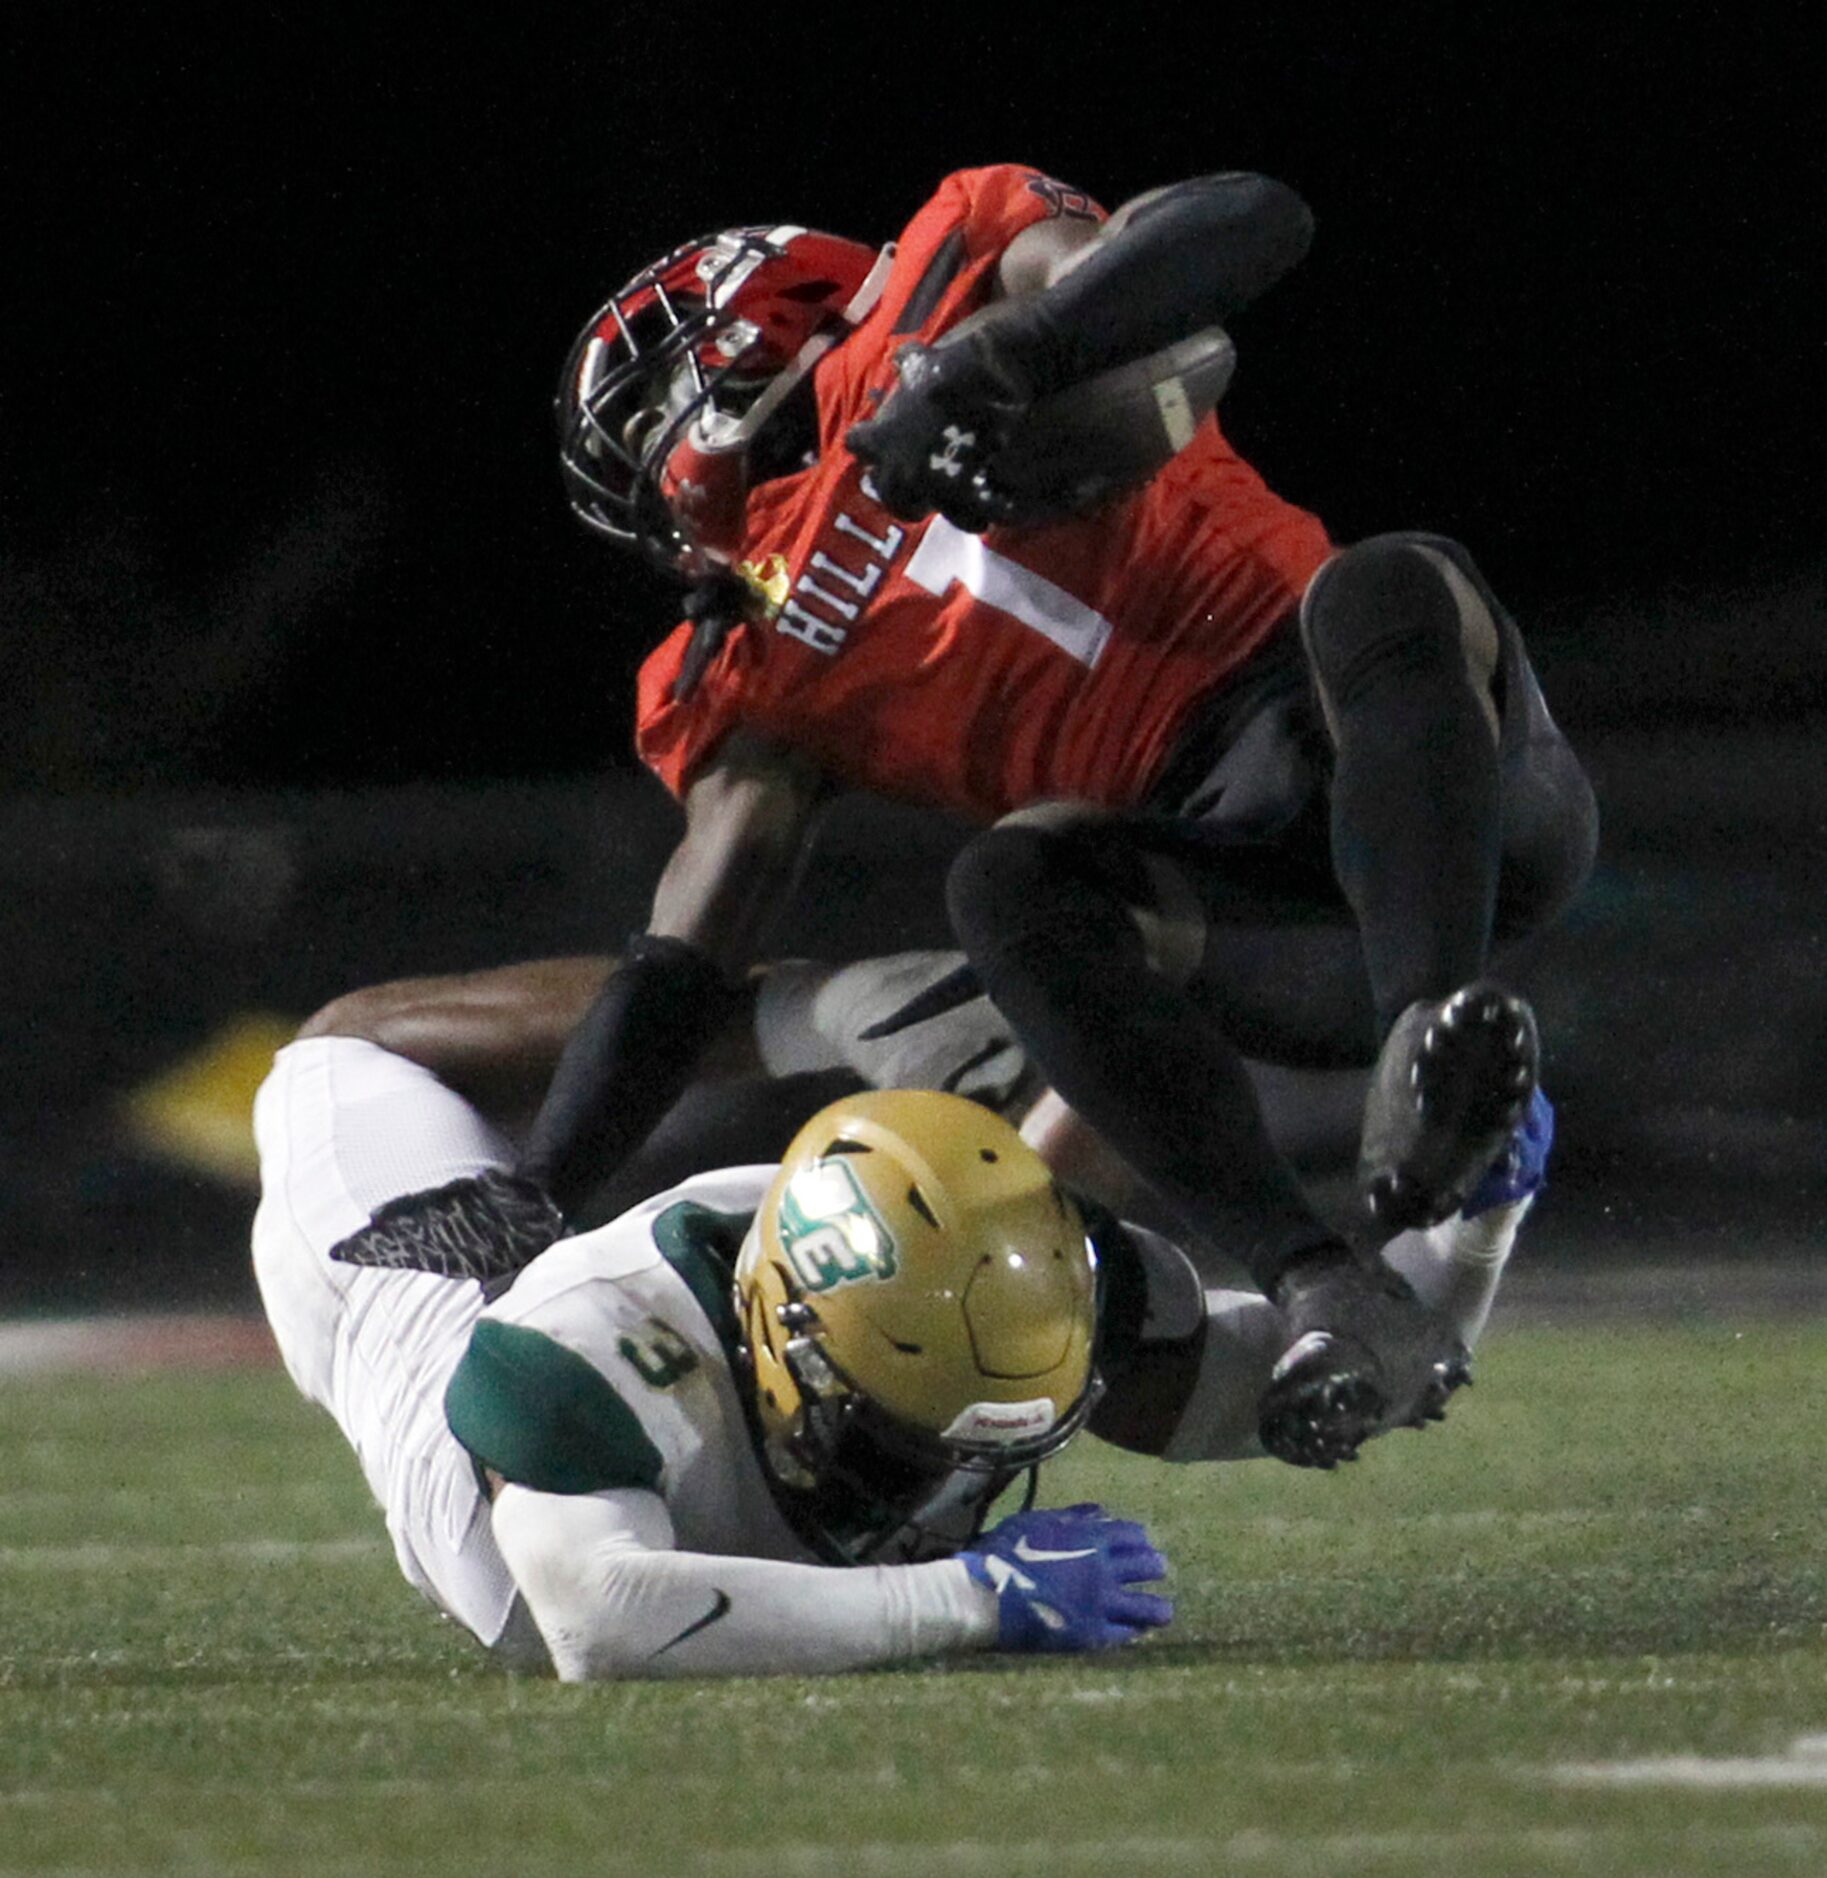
1416, 830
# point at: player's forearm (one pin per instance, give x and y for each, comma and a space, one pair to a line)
762, 1617
1182, 259
747, 818
625, 1064
1078, 1155
609, 1607
684, 979
494, 1036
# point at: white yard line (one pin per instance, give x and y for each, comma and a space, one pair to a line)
1575, 1849
1803, 1765
114, 1557
18, 1503
170, 1340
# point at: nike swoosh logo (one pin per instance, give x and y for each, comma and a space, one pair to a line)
1029, 1555
719, 1608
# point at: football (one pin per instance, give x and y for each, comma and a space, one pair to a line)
1077, 448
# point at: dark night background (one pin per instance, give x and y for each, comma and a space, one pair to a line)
286, 304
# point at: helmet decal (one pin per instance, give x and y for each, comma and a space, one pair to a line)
919, 1311
1009, 1422
829, 1232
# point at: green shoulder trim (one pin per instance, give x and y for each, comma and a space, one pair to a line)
701, 1244
541, 1416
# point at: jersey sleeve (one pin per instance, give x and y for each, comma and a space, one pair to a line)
677, 739
542, 1416
946, 255
613, 1598
598, 1368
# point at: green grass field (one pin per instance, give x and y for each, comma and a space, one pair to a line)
1615, 1552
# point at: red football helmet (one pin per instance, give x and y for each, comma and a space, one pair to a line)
670, 382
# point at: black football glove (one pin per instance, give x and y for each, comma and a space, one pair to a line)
939, 432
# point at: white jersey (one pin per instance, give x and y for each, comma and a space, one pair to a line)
638, 1535
608, 1364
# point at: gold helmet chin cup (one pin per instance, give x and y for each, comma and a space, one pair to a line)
915, 1271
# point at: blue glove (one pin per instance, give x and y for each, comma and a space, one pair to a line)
1061, 1579
1522, 1168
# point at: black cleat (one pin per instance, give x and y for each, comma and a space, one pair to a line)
1317, 1412
1449, 1374
1366, 1356
1451, 1086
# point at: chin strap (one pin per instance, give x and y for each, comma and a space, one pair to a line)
716, 604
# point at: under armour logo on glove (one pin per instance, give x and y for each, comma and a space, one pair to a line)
485, 1226
930, 446
951, 460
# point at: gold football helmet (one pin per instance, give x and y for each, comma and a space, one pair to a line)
918, 1301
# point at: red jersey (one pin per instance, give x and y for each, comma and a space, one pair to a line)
980, 673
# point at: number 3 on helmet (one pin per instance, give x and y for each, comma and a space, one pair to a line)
918, 1302
670, 382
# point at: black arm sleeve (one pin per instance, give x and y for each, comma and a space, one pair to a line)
625, 1065
1192, 257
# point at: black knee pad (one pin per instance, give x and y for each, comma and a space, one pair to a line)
997, 880
1013, 885
1388, 608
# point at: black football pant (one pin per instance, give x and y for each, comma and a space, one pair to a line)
1376, 805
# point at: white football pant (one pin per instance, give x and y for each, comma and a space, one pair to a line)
343, 1126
